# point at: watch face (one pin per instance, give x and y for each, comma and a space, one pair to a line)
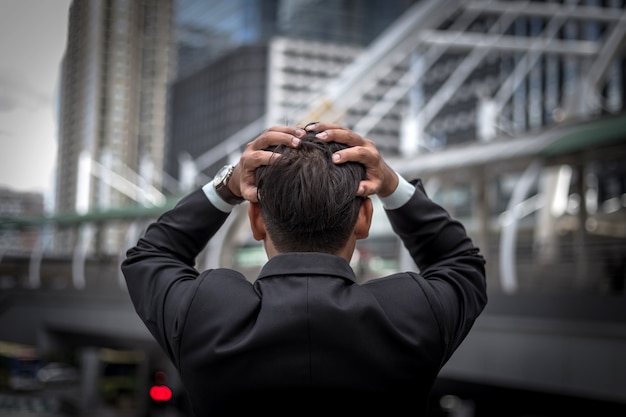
221, 176
220, 182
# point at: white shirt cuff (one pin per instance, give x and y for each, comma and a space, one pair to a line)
400, 196
215, 199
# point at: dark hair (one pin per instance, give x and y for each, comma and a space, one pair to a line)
309, 203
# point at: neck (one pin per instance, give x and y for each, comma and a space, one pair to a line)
346, 252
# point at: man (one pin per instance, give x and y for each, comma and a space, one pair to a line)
305, 338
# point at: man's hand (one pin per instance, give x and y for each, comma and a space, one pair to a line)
379, 177
254, 156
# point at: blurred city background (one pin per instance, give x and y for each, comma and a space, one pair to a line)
512, 112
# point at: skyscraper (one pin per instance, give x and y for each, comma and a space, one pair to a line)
112, 118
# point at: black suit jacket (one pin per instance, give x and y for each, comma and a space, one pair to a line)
305, 338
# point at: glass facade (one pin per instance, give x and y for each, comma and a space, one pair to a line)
207, 29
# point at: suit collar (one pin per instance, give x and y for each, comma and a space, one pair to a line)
307, 263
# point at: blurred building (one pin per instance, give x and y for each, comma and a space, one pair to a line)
113, 112
19, 205
239, 61
207, 29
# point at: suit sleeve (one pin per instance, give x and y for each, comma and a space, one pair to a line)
160, 269
451, 269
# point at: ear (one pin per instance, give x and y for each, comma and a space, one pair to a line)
256, 221
364, 220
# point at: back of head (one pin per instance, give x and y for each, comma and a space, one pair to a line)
309, 203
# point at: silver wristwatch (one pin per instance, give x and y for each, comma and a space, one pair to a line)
220, 182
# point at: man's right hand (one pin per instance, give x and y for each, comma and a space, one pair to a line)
255, 156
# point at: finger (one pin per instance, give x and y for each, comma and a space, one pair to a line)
342, 135
365, 155
248, 180
255, 159
367, 188
277, 135
250, 193
249, 162
310, 127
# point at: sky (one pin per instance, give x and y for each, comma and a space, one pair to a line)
32, 42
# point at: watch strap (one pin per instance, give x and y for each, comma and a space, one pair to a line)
224, 191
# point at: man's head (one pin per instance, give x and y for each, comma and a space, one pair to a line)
307, 202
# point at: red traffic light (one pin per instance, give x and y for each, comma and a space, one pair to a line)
160, 393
